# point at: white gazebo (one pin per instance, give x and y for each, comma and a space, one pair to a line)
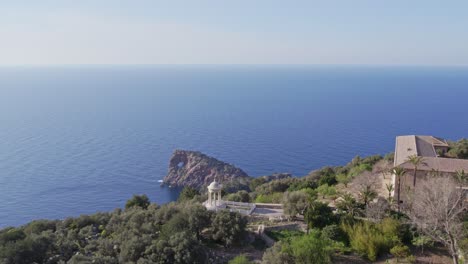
214, 196
215, 203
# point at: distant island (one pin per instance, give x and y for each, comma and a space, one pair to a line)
409, 206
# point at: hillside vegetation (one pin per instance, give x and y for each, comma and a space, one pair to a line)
344, 213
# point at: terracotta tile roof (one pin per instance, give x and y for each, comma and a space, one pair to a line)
439, 164
424, 146
405, 147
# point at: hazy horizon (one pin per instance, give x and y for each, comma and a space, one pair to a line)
146, 32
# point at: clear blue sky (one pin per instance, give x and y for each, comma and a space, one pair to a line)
234, 32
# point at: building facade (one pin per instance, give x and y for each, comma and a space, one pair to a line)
430, 149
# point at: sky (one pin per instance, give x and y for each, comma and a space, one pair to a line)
416, 32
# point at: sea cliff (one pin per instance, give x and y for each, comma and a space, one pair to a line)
195, 169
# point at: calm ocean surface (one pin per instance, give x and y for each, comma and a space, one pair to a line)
76, 140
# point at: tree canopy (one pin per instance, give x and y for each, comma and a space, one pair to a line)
141, 201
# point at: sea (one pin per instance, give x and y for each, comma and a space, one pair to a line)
81, 139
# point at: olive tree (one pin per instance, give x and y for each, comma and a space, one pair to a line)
179, 248
188, 193
228, 227
439, 206
319, 215
295, 203
138, 200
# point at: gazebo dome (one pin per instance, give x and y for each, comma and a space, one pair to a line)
214, 186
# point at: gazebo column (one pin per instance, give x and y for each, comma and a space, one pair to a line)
214, 195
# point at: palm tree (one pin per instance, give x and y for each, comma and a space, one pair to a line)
399, 172
367, 194
348, 204
416, 161
462, 178
390, 189
434, 173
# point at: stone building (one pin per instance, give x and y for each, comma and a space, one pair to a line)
430, 149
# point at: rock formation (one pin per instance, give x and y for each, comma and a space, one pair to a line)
195, 169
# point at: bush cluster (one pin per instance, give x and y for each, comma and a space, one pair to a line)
142, 233
373, 239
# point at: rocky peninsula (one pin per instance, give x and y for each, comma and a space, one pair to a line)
196, 170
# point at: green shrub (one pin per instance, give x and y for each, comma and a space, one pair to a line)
423, 241
242, 259
301, 184
240, 196
141, 201
178, 248
11, 234
343, 179
310, 249
277, 254
400, 251
274, 186
326, 191
334, 232
269, 198
284, 235
329, 179
371, 160
38, 226
410, 259
354, 171
389, 157
178, 223
319, 215
458, 149
21, 249
254, 183
228, 227
311, 192
295, 203
166, 234
371, 240
188, 193
325, 175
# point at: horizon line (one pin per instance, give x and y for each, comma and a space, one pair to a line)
233, 64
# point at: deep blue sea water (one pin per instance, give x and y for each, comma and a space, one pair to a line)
81, 139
